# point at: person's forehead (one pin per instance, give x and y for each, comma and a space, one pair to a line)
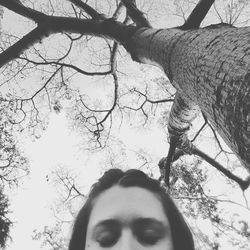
126, 203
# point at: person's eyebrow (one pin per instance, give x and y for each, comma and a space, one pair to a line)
138, 221
150, 222
136, 224
109, 223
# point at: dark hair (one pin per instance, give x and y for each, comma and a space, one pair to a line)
181, 234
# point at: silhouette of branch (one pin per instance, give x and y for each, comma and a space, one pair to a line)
142, 104
153, 101
187, 146
217, 139
113, 65
68, 183
198, 14
48, 25
135, 14
118, 11
244, 184
166, 162
43, 87
68, 66
88, 9
200, 130
17, 7
23, 44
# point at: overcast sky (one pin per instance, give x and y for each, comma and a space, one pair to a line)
60, 146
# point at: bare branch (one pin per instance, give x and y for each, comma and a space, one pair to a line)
200, 130
117, 11
23, 44
184, 144
165, 163
218, 13
198, 14
19, 8
217, 139
136, 15
153, 101
68, 66
88, 9
107, 28
244, 184
113, 66
43, 87
146, 100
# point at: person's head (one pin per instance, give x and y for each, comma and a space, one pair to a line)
129, 210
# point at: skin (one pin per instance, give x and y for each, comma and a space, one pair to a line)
128, 218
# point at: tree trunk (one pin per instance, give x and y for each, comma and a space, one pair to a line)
210, 66
182, 113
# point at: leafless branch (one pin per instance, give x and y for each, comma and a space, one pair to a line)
42, 88
118, 11
146, 99
135, 14
113, 65
165, 163
244, 184
198, 14
218, 13
23, 44
88, 9
18, 7
79, 70
48, 25
217, 139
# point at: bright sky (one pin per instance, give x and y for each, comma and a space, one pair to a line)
59, 146
31, 204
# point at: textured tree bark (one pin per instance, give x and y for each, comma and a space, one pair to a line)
210, 66
183, 112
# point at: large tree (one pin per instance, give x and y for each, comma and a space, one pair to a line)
209, 67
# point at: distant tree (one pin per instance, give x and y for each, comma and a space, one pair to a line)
5, 223
13, 165
69, 200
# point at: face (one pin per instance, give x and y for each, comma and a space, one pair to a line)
128, 218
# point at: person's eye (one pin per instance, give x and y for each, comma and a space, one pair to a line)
149, 237
107, 239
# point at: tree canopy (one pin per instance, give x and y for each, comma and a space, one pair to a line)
76, 55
